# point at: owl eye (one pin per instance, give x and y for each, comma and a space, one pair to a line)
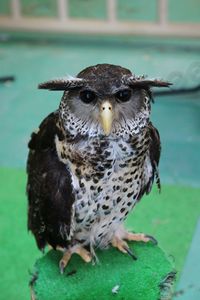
87, 96
123, 95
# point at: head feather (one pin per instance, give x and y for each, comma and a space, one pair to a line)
62, 84
141, 81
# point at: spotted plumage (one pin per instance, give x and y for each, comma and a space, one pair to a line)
92, 160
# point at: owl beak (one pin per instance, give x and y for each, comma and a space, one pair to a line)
106, 116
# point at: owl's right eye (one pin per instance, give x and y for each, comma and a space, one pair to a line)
87, 96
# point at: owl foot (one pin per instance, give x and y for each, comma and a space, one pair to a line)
140, 237
121, 235
78, 249
122, 246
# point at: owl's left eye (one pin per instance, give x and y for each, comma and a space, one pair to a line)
87, 96
123, 95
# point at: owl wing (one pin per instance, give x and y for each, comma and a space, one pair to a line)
49, 187
153, 159
154, 155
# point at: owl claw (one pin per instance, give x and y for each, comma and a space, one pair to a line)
78, 249
128, 250
152, 239
64, 261
123, 247
61, 266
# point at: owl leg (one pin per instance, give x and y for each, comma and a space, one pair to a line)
78, 249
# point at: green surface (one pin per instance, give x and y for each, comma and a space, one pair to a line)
170, 217
18, 250
165, 216
137, 280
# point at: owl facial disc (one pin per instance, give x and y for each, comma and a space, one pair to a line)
106, 116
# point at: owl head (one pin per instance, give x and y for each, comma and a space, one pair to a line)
105, 100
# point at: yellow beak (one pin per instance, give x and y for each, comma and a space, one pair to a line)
106, 116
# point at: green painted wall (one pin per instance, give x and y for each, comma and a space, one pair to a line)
138, 10
4, 7
38, 8
184, 11
88, 9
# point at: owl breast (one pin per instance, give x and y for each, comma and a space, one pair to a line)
107, 183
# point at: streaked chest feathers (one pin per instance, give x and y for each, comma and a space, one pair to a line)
107, 175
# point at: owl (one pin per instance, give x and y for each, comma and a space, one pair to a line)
91, 161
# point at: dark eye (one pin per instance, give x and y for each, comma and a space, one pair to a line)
87, 96
123, 95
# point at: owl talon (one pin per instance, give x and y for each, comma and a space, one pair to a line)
128, 250
152, 239
78, 249
64, 261
123, 247
62, 266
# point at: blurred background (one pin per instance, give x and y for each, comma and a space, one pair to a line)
41, 40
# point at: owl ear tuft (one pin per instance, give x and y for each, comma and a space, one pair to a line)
62, 84
141, 81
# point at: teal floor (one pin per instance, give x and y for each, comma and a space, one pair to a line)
22, 107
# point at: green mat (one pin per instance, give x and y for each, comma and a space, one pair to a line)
171, 217
117, 276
